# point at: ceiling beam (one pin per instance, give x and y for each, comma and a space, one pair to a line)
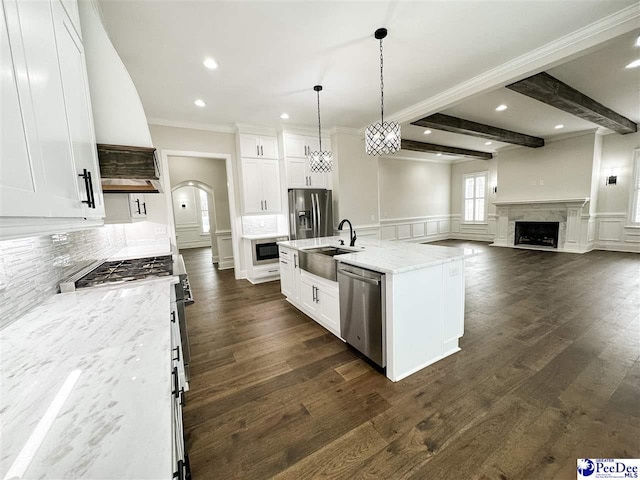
547, 89
432, 148
440, 121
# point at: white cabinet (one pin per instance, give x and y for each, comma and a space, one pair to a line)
125, 208
297, 149
48, 161
289, 273
258, 146
75, 87
261, 185
320, 298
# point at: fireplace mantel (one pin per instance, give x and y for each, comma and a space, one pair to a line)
577, 226
565, 202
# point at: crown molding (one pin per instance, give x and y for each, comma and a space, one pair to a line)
192, 125
535, 61
255, 129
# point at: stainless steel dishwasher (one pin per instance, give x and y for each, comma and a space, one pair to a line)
361, 311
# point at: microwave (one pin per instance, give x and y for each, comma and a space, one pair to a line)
265, 250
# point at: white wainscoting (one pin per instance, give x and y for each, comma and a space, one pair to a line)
225, 249
484, 232
188, 236
419, 230
612, 232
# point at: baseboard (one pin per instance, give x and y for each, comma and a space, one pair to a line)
471, 236
618, 248
225, 264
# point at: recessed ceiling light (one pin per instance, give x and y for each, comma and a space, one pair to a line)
634, 64
488, 143
199, 103
638, 41
438, 154
559, 126
210, 63
284, 116
501, 108
427, 132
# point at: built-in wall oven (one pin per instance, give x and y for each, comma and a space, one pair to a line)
265, 250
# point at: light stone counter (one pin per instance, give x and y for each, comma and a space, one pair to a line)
116, 421
384, 256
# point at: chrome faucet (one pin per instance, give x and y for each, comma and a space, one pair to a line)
352, 233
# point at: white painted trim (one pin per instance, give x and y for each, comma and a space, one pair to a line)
580, 202
231, 193
623, 21
400, 376
20, 227
256, 129
209, 127
413, 159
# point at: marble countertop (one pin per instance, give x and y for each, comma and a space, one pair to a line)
384, 256
110, 348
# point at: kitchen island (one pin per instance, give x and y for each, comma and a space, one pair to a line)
422, 296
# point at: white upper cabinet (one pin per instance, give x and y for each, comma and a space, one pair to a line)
48, 146
297, 150
22, 184
78, 111
261, 185
258, 146
260, 173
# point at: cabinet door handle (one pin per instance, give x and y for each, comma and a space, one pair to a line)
265, 205
295, 261
176, 387
173, 317
261, 150
177, 357
144, 206
261, 204
88, 185
317, 296
258, 150
182, 400
286, 263
138, 203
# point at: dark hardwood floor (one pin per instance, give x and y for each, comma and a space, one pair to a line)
549, 372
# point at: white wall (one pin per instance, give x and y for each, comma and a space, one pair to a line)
356, 181
561, 169
617, 153
188, 221
212, 172
410, 188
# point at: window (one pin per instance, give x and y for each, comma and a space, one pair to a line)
635, 191
475, 208
204, 212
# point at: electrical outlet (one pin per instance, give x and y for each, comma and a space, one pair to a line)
160, 231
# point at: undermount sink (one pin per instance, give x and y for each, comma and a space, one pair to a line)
320, 261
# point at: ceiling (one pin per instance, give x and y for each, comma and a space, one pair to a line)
271, 53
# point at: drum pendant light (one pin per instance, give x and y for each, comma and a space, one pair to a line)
320, 161
382, 138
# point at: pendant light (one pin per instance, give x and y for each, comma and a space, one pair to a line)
320, 161
382, 138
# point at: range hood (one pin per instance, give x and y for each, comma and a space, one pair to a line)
126, 169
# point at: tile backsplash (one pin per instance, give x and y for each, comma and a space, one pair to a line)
31, 268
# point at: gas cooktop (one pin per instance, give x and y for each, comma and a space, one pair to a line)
127, 271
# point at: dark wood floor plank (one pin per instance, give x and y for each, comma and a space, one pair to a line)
549, 371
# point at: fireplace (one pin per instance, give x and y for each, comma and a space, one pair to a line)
537, 233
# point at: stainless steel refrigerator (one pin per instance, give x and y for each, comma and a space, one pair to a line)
310, 213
